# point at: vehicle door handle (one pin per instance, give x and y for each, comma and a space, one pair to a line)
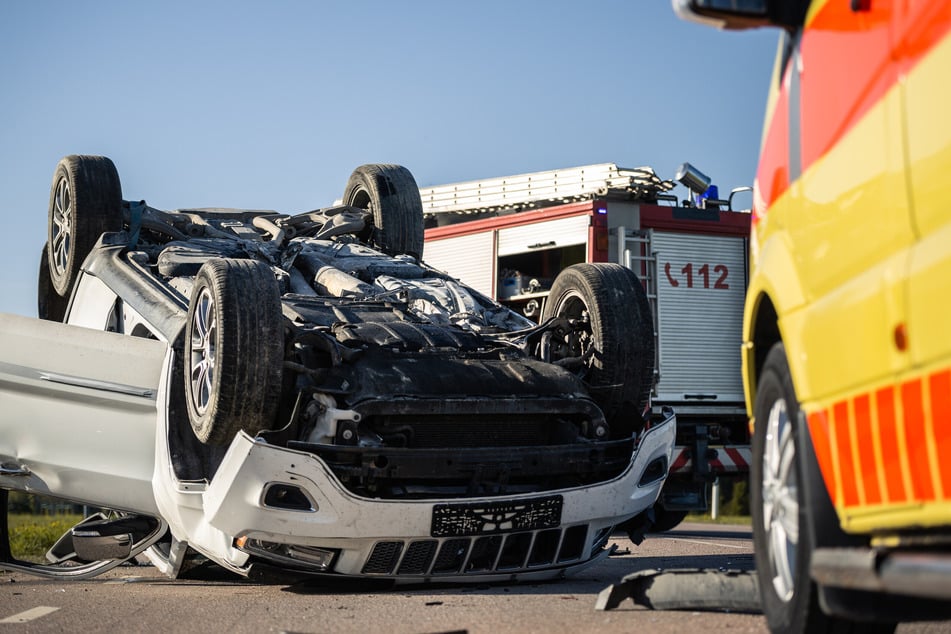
8, 469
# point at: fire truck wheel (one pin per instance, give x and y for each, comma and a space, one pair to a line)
612, 335
665, 519
391, 194
234, 350
85, 202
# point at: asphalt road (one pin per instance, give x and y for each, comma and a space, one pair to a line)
138, 599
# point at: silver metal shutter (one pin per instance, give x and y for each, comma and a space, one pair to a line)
701, 285
549, 234
469, 258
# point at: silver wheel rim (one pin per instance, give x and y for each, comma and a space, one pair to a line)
62, 233
203, 348
780, 500
572, 306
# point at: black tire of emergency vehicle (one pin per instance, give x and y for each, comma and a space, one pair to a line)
85, 202
49, 304
666, 519
234, 350
776, 411
620, 373
391, 194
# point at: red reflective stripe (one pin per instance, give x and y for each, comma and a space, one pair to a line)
836, 40
915, 448
736, 456
819, 432
926, 23
850, 60
681, 460
868, 467
843, 449
891, 455
772, 174
940, 386
916, 441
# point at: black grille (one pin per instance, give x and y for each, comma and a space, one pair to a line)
400, 472
418, 557
451, 556
384, 558
512, 552
473, 431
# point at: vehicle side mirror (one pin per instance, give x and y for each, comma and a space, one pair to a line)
729, 14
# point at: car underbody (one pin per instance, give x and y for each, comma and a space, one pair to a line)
322, 401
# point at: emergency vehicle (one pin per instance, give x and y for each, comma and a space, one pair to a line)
508, 237
847, 345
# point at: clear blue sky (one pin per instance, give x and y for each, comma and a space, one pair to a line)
271, 105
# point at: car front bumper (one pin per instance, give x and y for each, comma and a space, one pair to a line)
286, 507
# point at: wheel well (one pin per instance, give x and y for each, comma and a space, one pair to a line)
765, 334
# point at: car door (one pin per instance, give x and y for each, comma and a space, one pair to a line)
852, 225
78, 413
924, 56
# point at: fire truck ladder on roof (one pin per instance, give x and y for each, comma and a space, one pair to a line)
636, 252
539, 189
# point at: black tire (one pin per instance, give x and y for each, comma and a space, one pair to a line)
391, 194
619, 336
665, 519
234, 350
49, 304
783, 550
85, 202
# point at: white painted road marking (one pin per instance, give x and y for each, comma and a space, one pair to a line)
29, 615
720, 544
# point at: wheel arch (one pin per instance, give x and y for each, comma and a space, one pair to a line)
774, 293
763, 334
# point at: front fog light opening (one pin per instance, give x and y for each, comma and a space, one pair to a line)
655, 470
287, 497
296, 555
312, 556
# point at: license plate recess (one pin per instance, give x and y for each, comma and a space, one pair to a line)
487, 518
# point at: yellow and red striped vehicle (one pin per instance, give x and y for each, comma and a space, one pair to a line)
847, 323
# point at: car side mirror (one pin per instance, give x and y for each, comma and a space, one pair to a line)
729, 14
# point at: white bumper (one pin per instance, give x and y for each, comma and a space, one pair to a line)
534, 536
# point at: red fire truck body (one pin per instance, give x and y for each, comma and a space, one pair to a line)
509, 238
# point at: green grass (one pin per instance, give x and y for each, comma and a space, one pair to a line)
742, 520
32, 535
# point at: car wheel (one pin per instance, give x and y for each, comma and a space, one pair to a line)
665, 519
85, 202
234, 350
391, 194
49, 304
616, 341
781, 537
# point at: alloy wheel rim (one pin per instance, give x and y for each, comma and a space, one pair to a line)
203, 349
62, 232
780, 500
573, 307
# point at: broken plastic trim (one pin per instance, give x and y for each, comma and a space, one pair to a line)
693, 589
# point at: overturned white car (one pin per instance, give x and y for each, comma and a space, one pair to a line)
302, 394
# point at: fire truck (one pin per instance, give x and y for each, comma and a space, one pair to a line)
509, 237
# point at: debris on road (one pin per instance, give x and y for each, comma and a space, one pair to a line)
689, 589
